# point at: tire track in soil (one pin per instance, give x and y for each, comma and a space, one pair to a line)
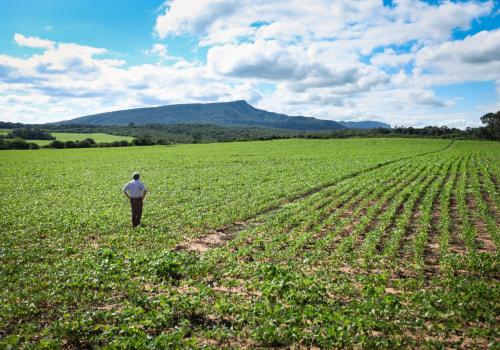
222, 235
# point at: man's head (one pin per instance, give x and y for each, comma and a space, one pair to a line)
136, 176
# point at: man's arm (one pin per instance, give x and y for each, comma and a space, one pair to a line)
125, 190
144, 193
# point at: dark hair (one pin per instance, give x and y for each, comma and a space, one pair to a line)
136, 176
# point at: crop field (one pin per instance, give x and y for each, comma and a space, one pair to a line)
356, 243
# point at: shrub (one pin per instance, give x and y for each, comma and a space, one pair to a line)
18, 143
163, 142
142, 142
83, 144
57, 144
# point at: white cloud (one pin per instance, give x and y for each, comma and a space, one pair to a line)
390, 58
160, 50
265, 60
21, 40
476, 58
192, 16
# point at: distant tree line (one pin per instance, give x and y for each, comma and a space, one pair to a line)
434, 132
166, 134
491, 131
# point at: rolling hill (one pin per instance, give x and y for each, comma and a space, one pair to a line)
237, 113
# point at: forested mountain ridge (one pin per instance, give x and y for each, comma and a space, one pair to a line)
237, 113
368, 124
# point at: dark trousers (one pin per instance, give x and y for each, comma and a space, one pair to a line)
136, 204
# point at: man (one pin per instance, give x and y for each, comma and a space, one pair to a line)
136, 192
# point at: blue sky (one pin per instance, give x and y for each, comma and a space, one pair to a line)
402, 62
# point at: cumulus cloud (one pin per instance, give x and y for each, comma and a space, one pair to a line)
390, 58
476, 58
21, 40
193, 16
261, 60
160, 50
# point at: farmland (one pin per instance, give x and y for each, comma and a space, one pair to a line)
357, 243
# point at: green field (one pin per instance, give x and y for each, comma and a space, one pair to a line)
356, 243
80, 137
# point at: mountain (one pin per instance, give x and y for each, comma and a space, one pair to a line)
237, 113
365, 125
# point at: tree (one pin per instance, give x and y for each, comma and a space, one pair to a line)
492, 121
19, 143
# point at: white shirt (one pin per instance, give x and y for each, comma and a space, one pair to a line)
134, 188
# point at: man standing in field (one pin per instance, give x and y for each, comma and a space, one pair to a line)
135, 191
